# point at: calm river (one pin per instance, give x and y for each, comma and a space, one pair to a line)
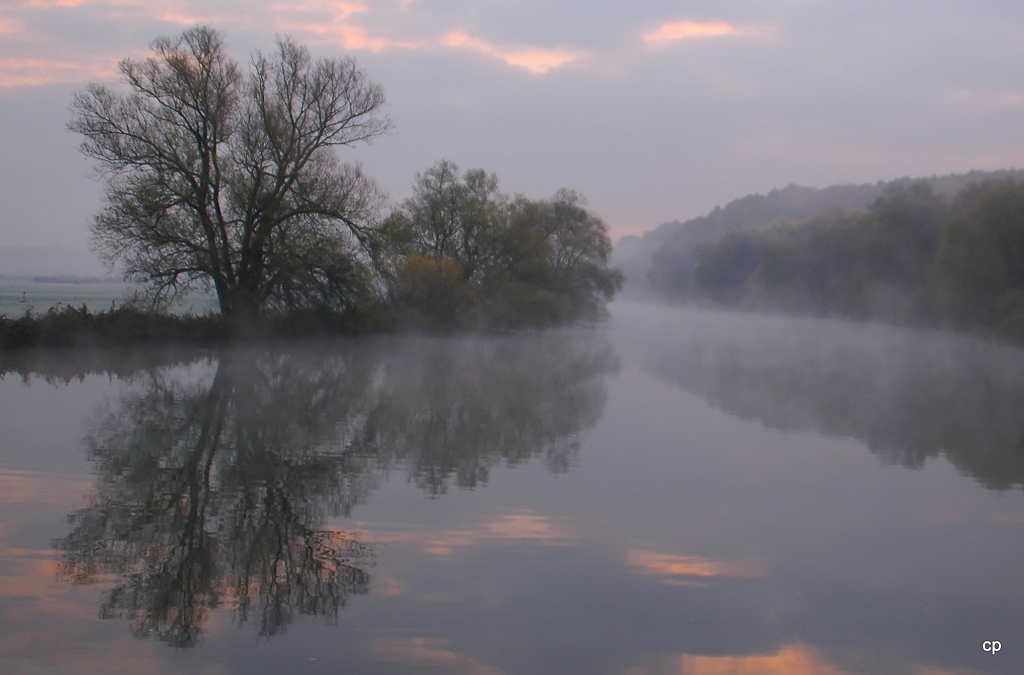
678, 491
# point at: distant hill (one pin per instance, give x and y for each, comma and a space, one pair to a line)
663, 258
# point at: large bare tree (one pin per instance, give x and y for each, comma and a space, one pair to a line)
222, 179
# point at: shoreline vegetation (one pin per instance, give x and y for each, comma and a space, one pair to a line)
459, 255
128, 326
917, 254
914, 257
225, 178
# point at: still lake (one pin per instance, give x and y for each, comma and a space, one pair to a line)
678, 491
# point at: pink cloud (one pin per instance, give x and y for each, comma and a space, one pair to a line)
9, 26
46, 4
22, 72
534, 59
335, 22
353, 37
684, 30
690, 30
327, 19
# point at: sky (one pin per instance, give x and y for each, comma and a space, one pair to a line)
653, 110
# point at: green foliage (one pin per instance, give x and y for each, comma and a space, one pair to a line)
662, 260
910, 258
861, 266
981, 259
463, 253
432, 292
724, 268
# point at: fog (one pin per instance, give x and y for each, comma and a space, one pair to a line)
678, 490
678, 485
909, 395
51, 261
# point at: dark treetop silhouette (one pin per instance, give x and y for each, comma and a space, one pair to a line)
224, 179
464, 251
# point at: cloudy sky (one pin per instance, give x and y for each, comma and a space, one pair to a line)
654, 110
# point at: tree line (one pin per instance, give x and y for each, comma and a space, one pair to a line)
912, 257
228, 181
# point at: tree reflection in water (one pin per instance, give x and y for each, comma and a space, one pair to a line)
907, 394
215, 481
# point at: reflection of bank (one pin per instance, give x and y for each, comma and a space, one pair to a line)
214, 482
907, 394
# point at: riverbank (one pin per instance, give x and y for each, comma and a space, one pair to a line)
40, 294
129, 327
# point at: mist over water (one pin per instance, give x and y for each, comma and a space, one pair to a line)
215, 479
678, 491
907, 394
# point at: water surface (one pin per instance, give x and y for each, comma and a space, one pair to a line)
21, 295
676, 492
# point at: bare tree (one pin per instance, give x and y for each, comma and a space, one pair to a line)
220, 179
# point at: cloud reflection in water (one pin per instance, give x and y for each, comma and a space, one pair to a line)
214, 481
